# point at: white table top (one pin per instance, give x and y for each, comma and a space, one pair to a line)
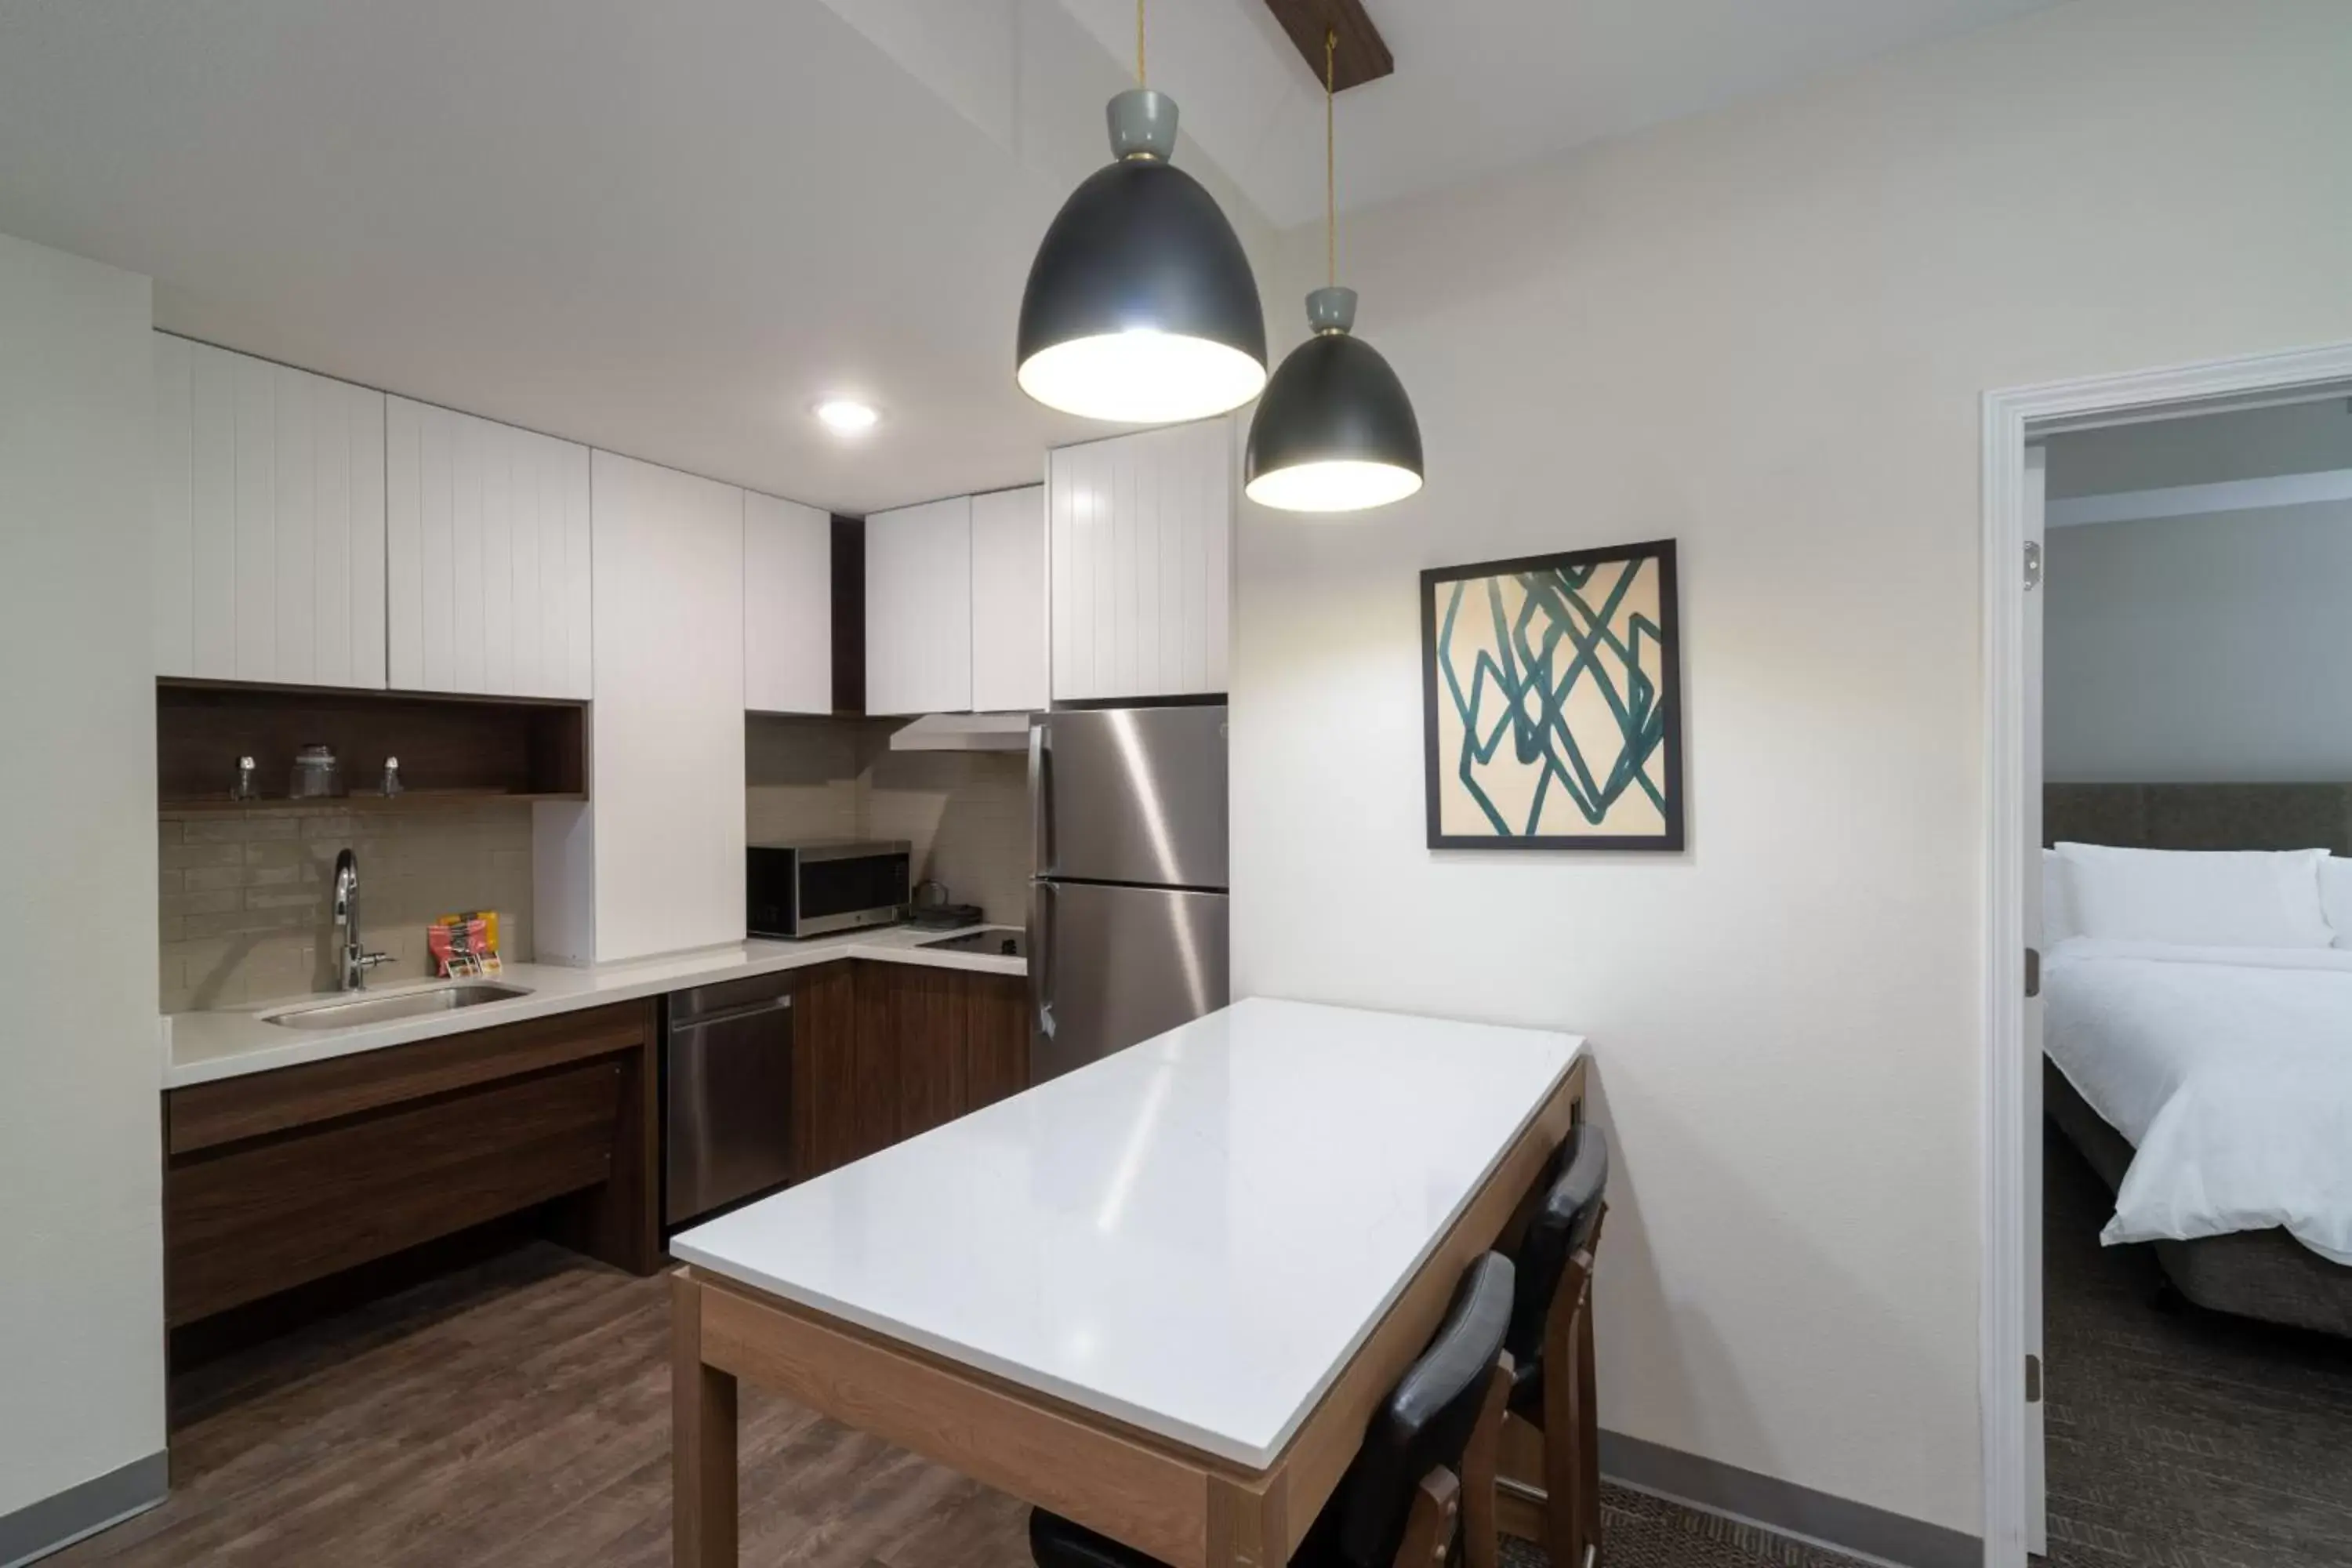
231, 1042
1193, 1236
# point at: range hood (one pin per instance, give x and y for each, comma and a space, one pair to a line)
964, 733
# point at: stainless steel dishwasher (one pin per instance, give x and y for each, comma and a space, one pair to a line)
727, 1085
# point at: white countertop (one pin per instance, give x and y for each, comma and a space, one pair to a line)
200, 1047
1193, 1236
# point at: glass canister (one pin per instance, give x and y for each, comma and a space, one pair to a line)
317, 775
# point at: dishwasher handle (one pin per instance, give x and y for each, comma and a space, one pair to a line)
683, 1015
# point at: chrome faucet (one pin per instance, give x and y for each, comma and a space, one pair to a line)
355, 960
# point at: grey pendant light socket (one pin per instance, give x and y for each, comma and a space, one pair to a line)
1142, 124
1331, 309
1140, 305
1335, 419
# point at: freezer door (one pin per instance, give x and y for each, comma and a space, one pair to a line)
1109, 967
1131, 794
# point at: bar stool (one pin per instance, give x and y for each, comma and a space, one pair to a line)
1399, 1504
1548, 1437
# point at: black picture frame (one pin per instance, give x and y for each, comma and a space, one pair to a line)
1667, 707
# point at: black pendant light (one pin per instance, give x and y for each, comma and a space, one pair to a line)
1142, 307
1335, 431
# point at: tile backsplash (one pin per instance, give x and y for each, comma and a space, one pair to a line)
966, 812
247, 897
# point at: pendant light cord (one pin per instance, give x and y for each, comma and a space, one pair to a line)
1138, 45
1330, 162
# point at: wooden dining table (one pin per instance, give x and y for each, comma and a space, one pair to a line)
1162, 1295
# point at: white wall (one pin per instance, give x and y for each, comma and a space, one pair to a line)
81, 1289
2200, 649
1766, 334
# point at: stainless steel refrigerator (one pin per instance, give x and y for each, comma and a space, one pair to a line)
1128, 915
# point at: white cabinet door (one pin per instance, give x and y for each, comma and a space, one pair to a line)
919, 608
787, 606
1142, 547
268, 522
1009, 639
654, 862
487, 557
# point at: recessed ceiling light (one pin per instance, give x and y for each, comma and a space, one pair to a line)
847, 415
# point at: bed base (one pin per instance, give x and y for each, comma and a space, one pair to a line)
2266, 1275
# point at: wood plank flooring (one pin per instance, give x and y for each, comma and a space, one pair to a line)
517, 1414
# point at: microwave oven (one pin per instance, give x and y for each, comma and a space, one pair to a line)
825, 885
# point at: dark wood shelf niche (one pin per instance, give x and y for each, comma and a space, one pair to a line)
452, 750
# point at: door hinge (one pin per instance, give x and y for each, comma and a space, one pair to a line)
2032, 564
2033, 1380
2033, 973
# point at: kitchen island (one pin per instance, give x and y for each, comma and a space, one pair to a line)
1161, 1295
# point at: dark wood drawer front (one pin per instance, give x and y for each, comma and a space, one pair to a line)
266, 1215
208, 1114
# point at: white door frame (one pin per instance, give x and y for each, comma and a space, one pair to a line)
2006, 1142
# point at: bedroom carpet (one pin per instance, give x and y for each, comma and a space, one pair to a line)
2178, 1437
1642, 1531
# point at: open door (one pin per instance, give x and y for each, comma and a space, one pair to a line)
2037, 1503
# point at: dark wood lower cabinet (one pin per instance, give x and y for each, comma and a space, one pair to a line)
826, 1126
283, 1188
281, 1179
883, 1051
996, 1048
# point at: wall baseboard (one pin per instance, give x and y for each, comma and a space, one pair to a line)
77, 1512
1785, 1508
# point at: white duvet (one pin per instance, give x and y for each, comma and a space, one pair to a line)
2229, 1070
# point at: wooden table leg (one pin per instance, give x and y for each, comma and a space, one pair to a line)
702, 1440
1248, 1526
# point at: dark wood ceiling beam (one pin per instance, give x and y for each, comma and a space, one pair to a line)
1362, 55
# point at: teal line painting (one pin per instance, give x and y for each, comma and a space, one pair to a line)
1551, 699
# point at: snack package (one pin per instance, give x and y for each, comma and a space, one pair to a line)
463, 945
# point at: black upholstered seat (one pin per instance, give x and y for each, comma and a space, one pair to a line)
1424, 1424
1562, 1226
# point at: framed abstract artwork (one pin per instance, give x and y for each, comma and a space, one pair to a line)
1551, 691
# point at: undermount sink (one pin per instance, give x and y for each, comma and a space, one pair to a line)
345, 1013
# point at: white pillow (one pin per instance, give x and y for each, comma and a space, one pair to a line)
2335, 896
2058, 901
2198, 898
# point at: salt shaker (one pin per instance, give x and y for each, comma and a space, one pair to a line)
245, 788
391, 784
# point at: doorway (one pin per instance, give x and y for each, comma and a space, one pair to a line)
2011, 1333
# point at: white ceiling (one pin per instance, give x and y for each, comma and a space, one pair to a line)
666, 229
1483, 85
669, 229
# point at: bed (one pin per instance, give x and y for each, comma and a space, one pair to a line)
2229, 1068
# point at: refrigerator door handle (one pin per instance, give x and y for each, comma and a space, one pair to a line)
1041, 816
1041, 962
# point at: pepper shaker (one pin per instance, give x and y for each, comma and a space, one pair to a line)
245, 788
391, 784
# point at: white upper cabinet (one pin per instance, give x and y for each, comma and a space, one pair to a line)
1009, 639
654, 861
487, 557
787, 606
268, 522
919, 608
1142, 549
